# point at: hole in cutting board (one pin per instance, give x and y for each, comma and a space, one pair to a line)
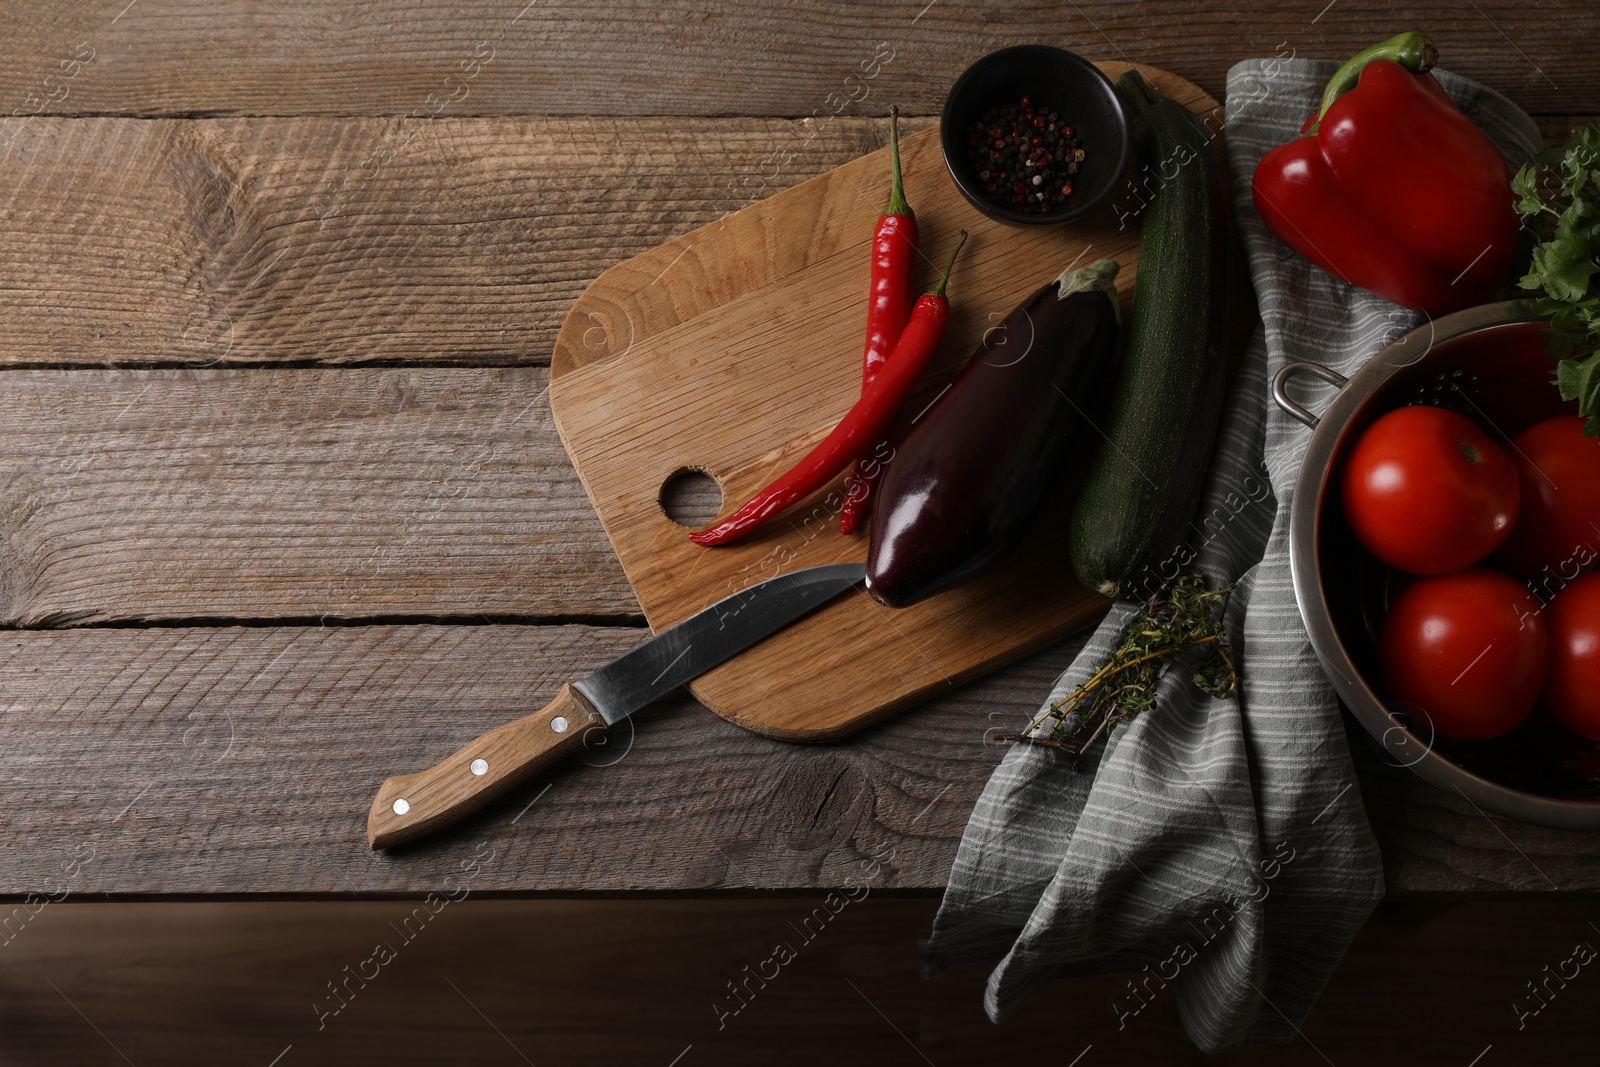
691, 497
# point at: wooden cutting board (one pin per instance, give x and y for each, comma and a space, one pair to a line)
733, 350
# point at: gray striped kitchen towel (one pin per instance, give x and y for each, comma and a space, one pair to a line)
1217, 849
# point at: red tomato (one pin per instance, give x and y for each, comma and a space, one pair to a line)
1427, 492
1558, 533
1467, 650
1572, 678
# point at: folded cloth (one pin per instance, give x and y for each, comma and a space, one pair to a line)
1218, 848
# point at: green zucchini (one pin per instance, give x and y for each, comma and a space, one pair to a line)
1134, 510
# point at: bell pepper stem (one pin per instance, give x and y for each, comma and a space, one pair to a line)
944, 278
897, 189
1412, 50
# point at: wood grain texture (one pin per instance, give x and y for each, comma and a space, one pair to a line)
239, 760
338, 241
224, 760
1438, 842
740, 354
178, 494
242, 760
1557, 128
196, 985
207, 242
163, 57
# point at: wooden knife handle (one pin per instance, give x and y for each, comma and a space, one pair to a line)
414, 805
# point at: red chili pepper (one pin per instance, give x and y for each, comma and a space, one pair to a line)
894, 249
1392, 188
865, 423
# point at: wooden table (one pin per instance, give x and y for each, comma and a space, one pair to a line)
283, 510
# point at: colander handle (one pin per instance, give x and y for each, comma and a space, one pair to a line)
1280, 388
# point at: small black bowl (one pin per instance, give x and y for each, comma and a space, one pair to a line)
1065, 83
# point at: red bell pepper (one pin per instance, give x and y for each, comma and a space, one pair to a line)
1391, 188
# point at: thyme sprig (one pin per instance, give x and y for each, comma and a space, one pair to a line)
1183, 618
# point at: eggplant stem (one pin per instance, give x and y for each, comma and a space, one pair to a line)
1100, 276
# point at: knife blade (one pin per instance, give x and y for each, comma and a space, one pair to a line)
414, 805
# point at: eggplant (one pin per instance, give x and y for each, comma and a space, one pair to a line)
958, 491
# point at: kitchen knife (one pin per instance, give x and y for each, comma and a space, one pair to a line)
413, 805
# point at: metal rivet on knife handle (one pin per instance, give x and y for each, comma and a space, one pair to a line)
413, 805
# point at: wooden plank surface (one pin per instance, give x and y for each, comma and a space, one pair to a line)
227, 760
337, 241
185, 985
293, 493
220, 760
1557, 128
248, 241
457, 229
402, 57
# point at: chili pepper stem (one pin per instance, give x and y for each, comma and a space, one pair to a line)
897, 189
944, 278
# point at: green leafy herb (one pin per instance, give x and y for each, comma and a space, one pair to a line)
1183, 617
1560, 194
